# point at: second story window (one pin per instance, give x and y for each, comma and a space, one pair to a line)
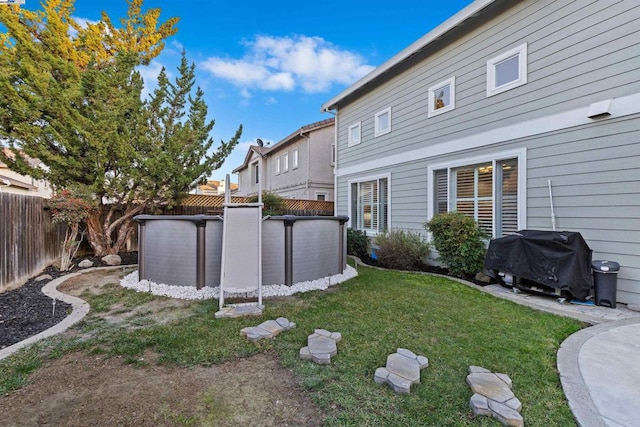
277, 165
285, 162
354, 134
383, 122
442, 97
256, 173
294, 158
507, 71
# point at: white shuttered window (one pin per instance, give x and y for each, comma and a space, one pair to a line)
369, 205
486, 192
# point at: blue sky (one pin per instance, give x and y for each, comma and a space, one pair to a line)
270, 65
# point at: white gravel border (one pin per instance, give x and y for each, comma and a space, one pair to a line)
132, 281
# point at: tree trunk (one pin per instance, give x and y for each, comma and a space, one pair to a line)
103, 226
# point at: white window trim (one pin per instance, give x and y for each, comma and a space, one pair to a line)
278, 165
451, 82
255, 173
357, 141
379, 132
371, 178
332, 147
326, 195
520, 154
521, 51
620, 107
294, 158
285, 162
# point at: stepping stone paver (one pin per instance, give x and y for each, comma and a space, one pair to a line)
239, 310
321, 346
493, 396
402, 370
268, 329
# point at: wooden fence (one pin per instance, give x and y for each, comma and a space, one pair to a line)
213, 205
29, 241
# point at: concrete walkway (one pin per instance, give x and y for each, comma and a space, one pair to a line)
599, 366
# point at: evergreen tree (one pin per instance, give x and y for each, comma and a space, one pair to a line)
75, 104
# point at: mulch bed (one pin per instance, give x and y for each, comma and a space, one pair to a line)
426, 269
26, 311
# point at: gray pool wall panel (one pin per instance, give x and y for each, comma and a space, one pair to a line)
170, 248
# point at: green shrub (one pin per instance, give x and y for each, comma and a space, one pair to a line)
459, 241
401, 250
273, 204
357, 243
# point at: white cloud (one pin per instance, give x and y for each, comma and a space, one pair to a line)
177, 45
287, 63
83, 22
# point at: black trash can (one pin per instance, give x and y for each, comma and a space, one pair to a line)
605, 282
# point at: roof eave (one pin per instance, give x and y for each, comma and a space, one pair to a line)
433, 35
288, 140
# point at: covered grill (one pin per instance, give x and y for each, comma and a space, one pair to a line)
547, 261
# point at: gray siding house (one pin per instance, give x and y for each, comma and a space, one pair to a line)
298, 167
502, 108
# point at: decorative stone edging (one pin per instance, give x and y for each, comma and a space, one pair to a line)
80, 308
402, 370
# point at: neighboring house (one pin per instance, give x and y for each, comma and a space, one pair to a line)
492, 108
214, 188
13, 182
298, 167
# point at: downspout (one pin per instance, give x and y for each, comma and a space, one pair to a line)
335, 163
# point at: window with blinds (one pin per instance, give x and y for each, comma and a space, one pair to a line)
369, 208
442, 198
475, 190
508, 197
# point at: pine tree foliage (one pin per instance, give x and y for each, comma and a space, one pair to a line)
73, 103
140, 32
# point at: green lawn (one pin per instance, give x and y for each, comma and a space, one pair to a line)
451, 324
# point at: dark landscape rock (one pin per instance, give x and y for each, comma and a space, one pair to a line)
26, 311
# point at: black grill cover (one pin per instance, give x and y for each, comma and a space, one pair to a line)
557, 259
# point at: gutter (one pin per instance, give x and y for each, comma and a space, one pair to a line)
440, 31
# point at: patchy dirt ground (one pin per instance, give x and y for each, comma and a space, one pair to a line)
80, 389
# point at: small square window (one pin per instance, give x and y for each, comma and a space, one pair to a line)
442, 97
507, 71
354, 134
383, 122
285, 162
321, 196
294, 159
